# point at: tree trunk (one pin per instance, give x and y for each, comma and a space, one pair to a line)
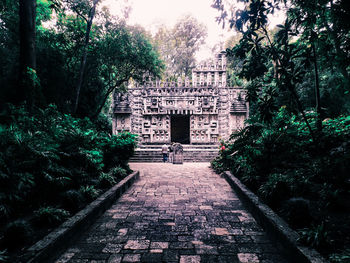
84, 55
100, 107
109, 91
317, 91
27, 15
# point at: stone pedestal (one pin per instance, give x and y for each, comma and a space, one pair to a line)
178, 157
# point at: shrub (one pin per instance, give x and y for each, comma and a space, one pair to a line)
118, 172
50, 216
275, 189
47, 156
217, 165
330, 197
106, 180
342, 257
103, 123
89, 192
118, 150
316, 237
17, 234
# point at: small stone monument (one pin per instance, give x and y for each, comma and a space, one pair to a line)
178, 153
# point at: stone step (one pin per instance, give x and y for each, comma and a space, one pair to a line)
185, 146
189, 155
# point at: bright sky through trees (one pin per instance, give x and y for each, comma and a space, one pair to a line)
152, 13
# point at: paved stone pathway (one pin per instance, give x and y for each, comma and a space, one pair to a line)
175, 213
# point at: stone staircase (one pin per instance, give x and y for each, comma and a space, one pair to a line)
192, 153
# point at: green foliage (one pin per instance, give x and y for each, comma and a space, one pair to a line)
275, 189
115, 174
118, 172
281, 163
330, 196
103, 123
296, 142
119, 150
89, 192
316, 237
50, 216
106, 180
51, 162
343, 257
178, 46
116, 53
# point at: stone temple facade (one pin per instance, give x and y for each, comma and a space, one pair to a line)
201, 111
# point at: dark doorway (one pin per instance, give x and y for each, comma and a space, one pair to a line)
180, 129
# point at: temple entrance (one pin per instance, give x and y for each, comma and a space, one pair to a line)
180, 129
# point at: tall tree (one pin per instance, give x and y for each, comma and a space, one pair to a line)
296, 49
27, 15
89, 21
179, 45
124, 53
189, 35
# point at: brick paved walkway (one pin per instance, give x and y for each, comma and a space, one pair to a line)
175, 213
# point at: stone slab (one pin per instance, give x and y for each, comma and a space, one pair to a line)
182, 213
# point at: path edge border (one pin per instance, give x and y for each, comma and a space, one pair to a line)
59, 239
275, 226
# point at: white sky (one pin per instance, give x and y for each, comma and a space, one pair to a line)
152, 13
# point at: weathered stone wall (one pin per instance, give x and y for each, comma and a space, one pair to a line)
214, 109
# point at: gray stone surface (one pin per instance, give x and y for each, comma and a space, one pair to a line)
182, 213
277, 228
211, 107
191, 153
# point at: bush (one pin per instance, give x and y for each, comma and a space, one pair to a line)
342, 257
316, 237
50, 216
330, 197
118, 150
51, 162
17, 234
106, 180
283, 164
103, 123
118, 172
70, 153
275, 189
89, 192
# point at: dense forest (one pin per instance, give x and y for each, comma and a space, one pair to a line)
60, 62
294, 151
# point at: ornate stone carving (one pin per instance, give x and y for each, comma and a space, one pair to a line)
214, 109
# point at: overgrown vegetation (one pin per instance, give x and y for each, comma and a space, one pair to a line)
307, 183
60, 62
74, 66
295, 149
51, 165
